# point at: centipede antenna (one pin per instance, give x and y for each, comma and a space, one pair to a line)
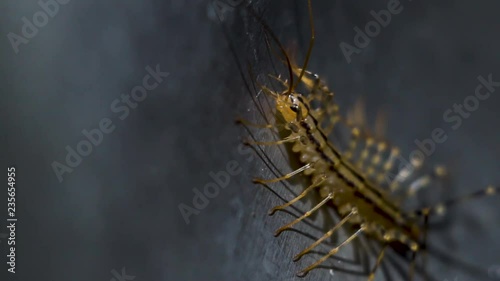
232, 49
311, 45
282, 49
269, 51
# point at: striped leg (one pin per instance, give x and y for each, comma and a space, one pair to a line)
380, 257
307, 214
331, 253
328, 234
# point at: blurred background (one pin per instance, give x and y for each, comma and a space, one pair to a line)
115, 213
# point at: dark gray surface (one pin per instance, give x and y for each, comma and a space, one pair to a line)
119, 208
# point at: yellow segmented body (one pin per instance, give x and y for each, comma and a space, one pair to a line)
349, 186
357, 198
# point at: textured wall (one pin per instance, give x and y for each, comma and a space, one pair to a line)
118, 208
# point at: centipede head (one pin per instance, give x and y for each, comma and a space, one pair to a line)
290, 107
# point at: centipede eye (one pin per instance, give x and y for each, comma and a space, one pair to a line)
294, 107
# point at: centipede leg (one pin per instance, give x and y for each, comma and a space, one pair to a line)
320, 92
278, 78
334, 119
331, 253
285, 140
441, 207
405, 173
355, 133
418, 184
425, 180
376, 159
250, 124
411, 273
287, 176
328, 234
307, 214
311, 85
388, 165
300, 196
369, 142
379, 261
